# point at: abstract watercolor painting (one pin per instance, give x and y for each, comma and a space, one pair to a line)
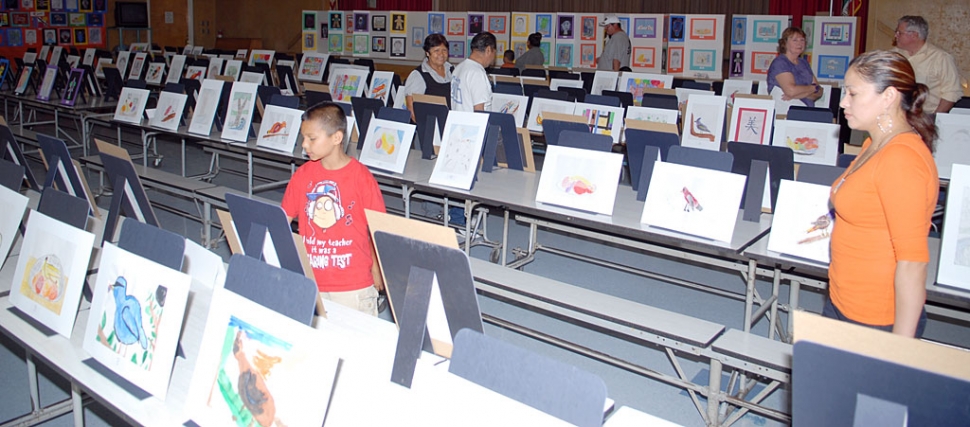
136, 318
254, 365
205, 107
952, 143
635, 83
154, 74
279, 129
751, 121
812, 142
387, 145
543, 105
312, 66
703, 122
696, 201
195, 72
261, 56
131, 105
510, 104
461, 149
239, 114
602, 119
347, 83
802, 221
380, 85
50, 271
15, 204
580, 179
168, 111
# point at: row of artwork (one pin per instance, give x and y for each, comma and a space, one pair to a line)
22, 28
54, 5
73, 36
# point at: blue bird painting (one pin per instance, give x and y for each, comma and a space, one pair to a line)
127, 324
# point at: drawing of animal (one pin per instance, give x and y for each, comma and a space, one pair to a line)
702, 130
128, 327
252, 387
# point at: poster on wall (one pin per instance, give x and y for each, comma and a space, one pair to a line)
832, 46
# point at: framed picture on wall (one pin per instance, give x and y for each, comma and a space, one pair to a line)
645, 28
703, 28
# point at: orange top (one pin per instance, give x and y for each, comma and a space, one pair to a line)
882, 215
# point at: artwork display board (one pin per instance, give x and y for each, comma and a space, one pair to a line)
580, 179
646, 32
695, 45
703, 122
752, 121
801, 223
810, 141
168, 112
832, 48
952, 143
954, 268
461, 149
387, 145
635, 83
333, 39
361, 27
51, 271
279, 129
136, 318
695, 201
754, 44
239, 114
32, 23
15, 204
206, 106
131, 105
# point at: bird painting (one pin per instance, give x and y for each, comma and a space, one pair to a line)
253, 392
702, 131
128, 322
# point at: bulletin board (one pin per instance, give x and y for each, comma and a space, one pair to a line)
695, 45
66, 23
834, 39
754, 44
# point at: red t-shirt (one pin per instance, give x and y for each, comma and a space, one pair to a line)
330, 206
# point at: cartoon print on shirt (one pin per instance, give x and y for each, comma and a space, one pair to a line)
324, 207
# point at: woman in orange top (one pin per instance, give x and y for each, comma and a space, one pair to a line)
884, 200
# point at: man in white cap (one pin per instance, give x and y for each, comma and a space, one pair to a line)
616, 53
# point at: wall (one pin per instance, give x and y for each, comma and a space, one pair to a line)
174, 34
727, 7
948, 26
277, 22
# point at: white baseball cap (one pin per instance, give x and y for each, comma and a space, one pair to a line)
609, 19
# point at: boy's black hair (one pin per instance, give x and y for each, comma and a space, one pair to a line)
330, 117
509, 55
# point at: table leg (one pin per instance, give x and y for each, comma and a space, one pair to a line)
249, 176
714, 392
183, 157
406, 198
78, 405
468, 225
792, 302
775, 284
505, 236
32, 382
749, 294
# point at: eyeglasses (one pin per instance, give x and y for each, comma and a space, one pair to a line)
899, 33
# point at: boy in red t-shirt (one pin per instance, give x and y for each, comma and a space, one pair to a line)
329, 194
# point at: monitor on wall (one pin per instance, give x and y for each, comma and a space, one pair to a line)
131, 14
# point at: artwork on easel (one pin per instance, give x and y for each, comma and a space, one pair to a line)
541, 106
952, 143
802, 221
380, 85
215, 67
122, 62
510, 104
580, 179
312, 67
347, 83
136, 318
387, 145
196, 72
604, 80
233, 69
15, 204
25, 72
175, 71
75, 81
279, 129
47, 85
251, 364
239, 114
650, 114
50, 273
261, 56
954, 267
734, 87
461, 149
137, 65
131, 105
205, 107
154, 74
751, 121
635, 83
703, 122
811, 142
696, 201
168, 111
602, 119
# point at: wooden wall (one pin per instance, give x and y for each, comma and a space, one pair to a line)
277, 22
174, 34
726, 7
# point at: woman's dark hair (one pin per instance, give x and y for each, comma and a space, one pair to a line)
433, 41
785, 35
535, 39
883, 69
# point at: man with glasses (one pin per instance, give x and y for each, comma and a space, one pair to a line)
933, 67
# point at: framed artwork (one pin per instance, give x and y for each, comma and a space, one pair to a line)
703, 59
349, 23
50, 36
808, 25
767, 31
736, 67
650, 114
580, 179
417, 37
544, 24
22, 19
24, 80
565, 28
197, 72
77, 19
476, 24
677, 28
215, 67
625, 22
309, 21
541, 106
735, 86
335, 43
205, 107
336, 21
954, 267
155, 72
696, 201
587, 55
761, 61
604, 80
456, 48
312, 66
801, 223
520, 25
399, 23
244, 340
510, 104
952, 142
812, 142
589, 26
751, 121
387, 145
137, 65
47, 84
279, 129
131, 105
399, 47
497, 24
15, 37
456, 26
75, 81
601, 119
832, 66
675, 59
644, 28
703, 122
51, 268
703, 28
461, 148
378, 44
378, 23
738, 30
309, 41
635, 83
168, 111
361, 44
30, 37
564, 55
644, 57
546, 47
239, 114
175, 70
136, 318
261, 56
436, 24
122, 62
347, 83
380, 85
361, 21
836, 34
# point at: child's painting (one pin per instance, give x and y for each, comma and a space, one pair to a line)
952, 142
604, 80
399, 23
520, 25
635, 83
541, 106
347, 83
601, 119
703, 28
137, 65
279, 129
761, 61
836, 34
736, 67
131, 105
767, 31
239, 114
175, 70
387, 145
644, 57
802, 221
587, 55
168, 111
832, 67
456, 26
436, 24
738, 30
751, 121
497, 24
589, 28
476, 24
650, 114
675, 59
811, 142
703, 122
154, 74
255, 368
50, 270
954, 268
335, 44
703, 59
461, 149
510, 104
196, 72
205, 107
644, 28
380, 85
361, 44
544, 24
696, 201
312, 67
136, 318
580, 179
564, 55
456, 49
565, 28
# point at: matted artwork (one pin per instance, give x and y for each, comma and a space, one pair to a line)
261, 56
497, 24
738, 30
387, 145
398, 47
175, 70
644, 57
380, 85
168, 111
703, 59
580, 179
215, 67
456, 26
675, 59
733, 87
650, 114
309, 20
761, 61
751, 121
47, 84
604, 80
952, 142
250, 366
197, 72
399, 23
279, 129
545, 47
456, 48
736, 67
832, 66
587, 55
767, 31
696, 201
121, 62
644, 28
564, 55
155, 72
131, 105
378, 23
520, 25
476, 24
544, 24
361, 44
836, 34
808, 25
205, 106
812, 142
461, 149
239, 113
954, 267
137, 64
602, 119
361, 21
15, 204
703, 28
136, 318
801, 223
541, 106
436, 24
510, 104
378, 44
417, 37
51, 270
589, 28
565, 28
335, 43
703, 122
347, 83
